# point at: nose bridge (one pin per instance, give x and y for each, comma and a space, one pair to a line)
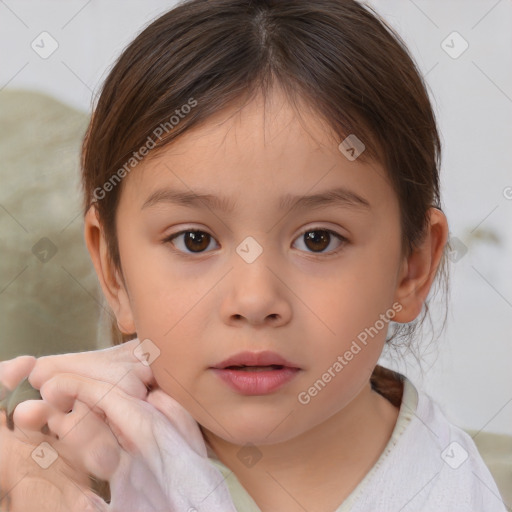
254, 291
250, 249
252, 259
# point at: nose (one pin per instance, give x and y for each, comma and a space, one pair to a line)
256, 294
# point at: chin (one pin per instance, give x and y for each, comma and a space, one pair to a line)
259, 433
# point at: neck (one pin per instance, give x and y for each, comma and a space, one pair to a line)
334, 456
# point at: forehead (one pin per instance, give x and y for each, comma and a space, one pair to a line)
260, 130
260, 148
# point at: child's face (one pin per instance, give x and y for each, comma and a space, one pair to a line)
299, 297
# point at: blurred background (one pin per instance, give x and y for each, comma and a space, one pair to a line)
55, 55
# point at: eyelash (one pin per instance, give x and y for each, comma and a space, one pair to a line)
342, 239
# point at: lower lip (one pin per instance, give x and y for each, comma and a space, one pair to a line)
256, 382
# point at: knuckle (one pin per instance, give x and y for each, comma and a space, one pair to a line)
42, 370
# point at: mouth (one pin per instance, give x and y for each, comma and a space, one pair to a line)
256, 373
256, 361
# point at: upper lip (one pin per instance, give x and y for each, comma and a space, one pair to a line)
265, 358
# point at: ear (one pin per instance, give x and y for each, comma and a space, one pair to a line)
418, 270
111, 283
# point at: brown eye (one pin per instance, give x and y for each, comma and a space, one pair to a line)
190, 241
317, 240
196, 241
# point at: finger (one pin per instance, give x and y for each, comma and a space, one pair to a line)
12, 372
23, 457
146, 435
114, 364
89, 442
82, 437
127, 417
85, 439
33, 415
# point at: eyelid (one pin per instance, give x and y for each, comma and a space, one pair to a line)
322, 228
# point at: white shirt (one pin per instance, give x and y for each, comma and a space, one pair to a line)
428, 465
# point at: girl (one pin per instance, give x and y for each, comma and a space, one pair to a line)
262, 207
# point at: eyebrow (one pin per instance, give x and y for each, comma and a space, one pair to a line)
340, 197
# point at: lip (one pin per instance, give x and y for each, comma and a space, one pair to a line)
256, 382
261, 382
265, 358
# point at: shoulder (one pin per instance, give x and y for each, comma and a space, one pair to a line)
460, 475
430, 464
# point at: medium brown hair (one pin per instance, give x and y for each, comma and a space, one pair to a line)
338, 57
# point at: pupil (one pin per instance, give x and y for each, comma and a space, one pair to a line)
319, 242
199, 238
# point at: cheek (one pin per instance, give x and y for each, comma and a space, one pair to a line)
161, 292
178, 367
167, 304
368, 281
342, 306
349, 311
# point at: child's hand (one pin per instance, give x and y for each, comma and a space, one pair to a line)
117, 365
62, 486
87, 446
83, 442
162, 463
12, 372
26, 485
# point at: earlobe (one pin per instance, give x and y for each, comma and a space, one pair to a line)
418, 270
110, 281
